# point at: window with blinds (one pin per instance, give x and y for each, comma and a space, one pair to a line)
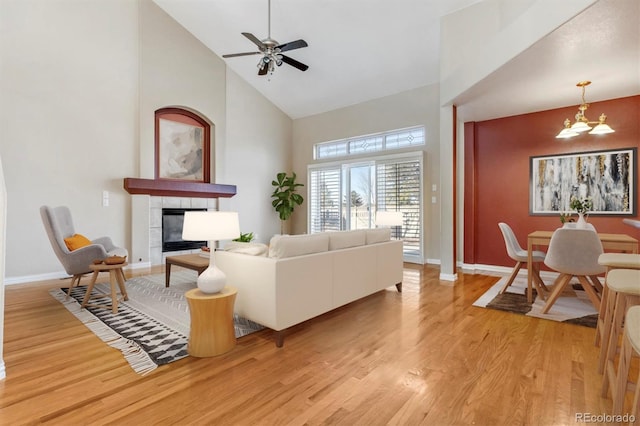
398, 188
348, 195
324, 199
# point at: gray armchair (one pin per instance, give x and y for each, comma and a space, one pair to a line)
59, 225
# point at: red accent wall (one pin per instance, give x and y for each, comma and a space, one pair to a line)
497, 155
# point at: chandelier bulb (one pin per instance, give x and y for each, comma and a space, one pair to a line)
581, 123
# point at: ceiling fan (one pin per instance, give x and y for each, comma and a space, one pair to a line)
271, 51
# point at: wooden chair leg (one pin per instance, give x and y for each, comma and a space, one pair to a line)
606, 323
114, 294
536, 270
75, 282
604, 300
619, 388
596, 283
611, 347
121, 284
540, 286
558, 286
591, 291
89, 289
512, 277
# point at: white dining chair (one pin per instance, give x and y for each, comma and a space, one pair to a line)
517, 253
575, 253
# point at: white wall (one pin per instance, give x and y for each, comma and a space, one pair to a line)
477, 40
411, 108
68, 107
79, 83
3, 228
259, 147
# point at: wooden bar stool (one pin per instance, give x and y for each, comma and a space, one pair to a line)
612, 261
116, 277
624, 292
630, 348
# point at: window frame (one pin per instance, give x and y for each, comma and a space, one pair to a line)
343, 147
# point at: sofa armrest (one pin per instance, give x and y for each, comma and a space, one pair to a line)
255, 279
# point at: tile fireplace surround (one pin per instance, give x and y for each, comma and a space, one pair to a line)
156, 204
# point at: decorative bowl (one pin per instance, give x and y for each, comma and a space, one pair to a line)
115, 260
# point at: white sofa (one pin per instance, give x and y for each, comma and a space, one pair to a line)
304, 276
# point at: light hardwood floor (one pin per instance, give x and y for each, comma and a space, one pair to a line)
423, 356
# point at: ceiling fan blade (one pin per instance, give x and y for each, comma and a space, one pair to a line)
255, 40
264, 68
294, 63
292, 45
233, 55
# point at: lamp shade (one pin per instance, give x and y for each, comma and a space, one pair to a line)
210, 226
566, 133
580, 126
386, 218
601, 129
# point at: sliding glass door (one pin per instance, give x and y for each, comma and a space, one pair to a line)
347, 196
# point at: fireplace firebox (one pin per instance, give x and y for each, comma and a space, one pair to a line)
172, 220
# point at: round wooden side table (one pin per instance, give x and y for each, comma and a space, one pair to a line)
116, 277
212, 331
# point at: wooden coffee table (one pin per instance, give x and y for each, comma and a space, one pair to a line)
189, 261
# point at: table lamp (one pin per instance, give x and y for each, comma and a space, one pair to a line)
387, 218
211, 226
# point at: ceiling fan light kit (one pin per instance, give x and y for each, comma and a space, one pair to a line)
271, 51
582, 123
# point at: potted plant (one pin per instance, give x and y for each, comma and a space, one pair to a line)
582, 206
285, 198
245, 238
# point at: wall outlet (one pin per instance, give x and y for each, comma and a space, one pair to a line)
105, 198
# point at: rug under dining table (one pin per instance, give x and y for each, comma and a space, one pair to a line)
573, 305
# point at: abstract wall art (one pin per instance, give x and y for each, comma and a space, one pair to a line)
607, 177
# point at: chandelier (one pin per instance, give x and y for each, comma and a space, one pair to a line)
582, 123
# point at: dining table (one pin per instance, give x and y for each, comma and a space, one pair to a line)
610, 242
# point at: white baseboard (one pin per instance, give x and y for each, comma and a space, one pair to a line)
495, 270
448, 277
61, 275
3, 371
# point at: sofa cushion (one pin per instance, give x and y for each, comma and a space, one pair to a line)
252, 249
345, 239
378, 235
282, 246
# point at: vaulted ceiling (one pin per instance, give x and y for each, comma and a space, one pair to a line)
365, 49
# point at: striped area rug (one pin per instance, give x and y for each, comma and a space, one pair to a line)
573, 305
152, 327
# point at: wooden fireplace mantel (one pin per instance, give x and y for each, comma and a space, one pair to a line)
178, 188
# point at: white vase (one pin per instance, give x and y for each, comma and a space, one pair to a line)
581, 223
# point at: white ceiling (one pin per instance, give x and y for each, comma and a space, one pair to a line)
365, 49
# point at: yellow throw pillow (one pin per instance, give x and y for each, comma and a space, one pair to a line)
76, 241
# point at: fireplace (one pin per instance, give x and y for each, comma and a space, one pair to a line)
172, 220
